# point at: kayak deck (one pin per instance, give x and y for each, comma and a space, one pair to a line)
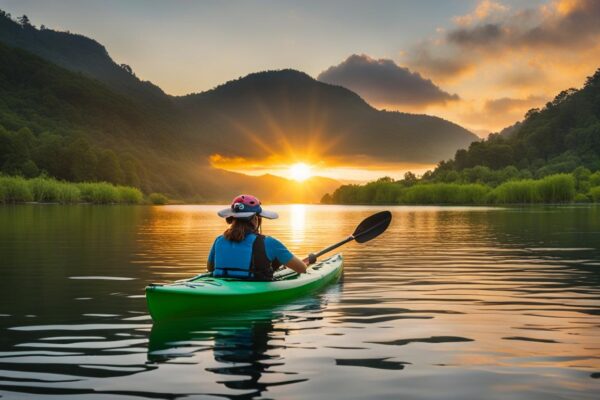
207, 295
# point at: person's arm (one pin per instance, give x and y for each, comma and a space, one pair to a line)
297, 265
276, 250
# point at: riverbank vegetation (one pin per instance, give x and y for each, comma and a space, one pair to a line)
16, 189
580, 186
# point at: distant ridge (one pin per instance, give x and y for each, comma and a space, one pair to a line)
291, 102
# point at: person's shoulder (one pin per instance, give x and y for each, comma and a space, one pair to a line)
277, 250
271, 241
219, 238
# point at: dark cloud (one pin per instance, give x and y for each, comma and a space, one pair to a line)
564, 26
440, 65
506, 105
383, 82
478, 36
533, 76
572, 26
575, 27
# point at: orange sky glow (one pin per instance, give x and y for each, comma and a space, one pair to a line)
345, 171
533, 53
488, 66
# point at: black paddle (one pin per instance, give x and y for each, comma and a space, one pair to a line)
368, 229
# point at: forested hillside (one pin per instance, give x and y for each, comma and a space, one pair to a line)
559, 137
77, 53
75, 128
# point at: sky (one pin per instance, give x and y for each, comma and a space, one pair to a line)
190, 46
479, 63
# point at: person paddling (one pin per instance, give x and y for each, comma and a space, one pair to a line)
242, 252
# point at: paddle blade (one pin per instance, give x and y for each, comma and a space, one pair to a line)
372, 226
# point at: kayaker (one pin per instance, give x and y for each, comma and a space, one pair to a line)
242, 251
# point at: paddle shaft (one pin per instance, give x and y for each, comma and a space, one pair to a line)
353, 237
334, 246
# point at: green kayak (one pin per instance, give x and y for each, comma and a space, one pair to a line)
206, 295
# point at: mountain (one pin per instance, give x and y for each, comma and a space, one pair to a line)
563, 135
76, 128
288, 108
72, 127
68, 109
79, 54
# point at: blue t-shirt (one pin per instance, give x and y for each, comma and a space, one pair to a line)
228, 254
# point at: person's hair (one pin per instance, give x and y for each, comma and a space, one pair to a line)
240, 228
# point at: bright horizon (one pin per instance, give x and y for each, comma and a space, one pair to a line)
343, 172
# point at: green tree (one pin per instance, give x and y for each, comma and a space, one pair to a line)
29, 169
582, 179
83, 161
24, 21
409, 178
326, 199
108, 168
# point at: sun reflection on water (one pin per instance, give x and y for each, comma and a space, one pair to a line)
297, 222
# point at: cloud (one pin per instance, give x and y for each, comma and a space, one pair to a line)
440, 65
493, 32
481, 35
506, 54
530, 77
484, 10
497, 113
552, 27
505, 105
383, 82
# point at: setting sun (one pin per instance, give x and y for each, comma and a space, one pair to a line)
300, 172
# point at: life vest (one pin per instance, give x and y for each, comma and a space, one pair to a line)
259, 267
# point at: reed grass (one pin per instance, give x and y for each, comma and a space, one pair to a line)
158, 199
49, 190
99, 192
595, 194
523, 191
558, 188
445, 193
130, 195
15, 189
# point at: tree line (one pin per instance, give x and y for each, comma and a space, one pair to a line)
65, 157
579, 186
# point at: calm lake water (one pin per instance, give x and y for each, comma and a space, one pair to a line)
450, 303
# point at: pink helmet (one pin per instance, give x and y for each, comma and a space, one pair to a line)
246, 206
